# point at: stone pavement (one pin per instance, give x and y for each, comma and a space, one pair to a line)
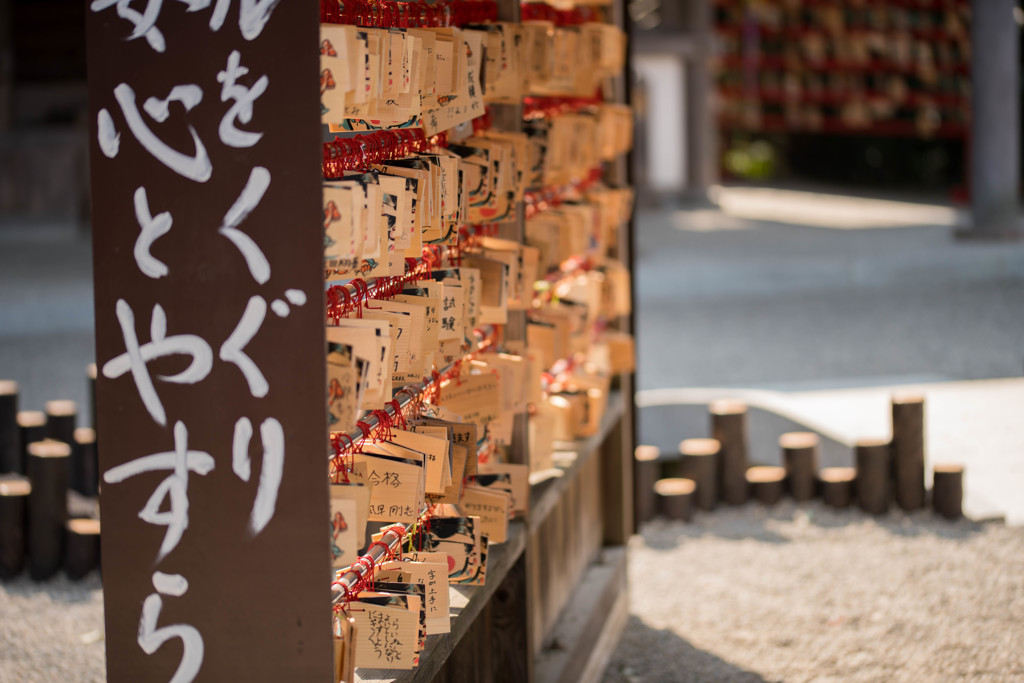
46, 313
815, 309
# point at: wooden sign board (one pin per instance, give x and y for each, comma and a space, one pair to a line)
208, 251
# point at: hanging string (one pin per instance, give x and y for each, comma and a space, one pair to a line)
417, 14
538, 11
344, 300
550, 197
359, 152
399, 414
551, 107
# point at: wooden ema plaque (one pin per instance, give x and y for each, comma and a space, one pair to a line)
208, 251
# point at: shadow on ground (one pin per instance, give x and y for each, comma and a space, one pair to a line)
677, 659
778, 523
60, 588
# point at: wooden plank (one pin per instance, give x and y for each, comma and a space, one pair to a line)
563, 547
471, 659
617, 485
511, 659
590, 624
618, 617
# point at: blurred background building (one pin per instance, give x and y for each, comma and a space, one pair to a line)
864, 95
43, 128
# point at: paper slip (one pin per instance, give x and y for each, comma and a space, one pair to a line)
344, 648
491, 506
434, 578
397, 494
519, 482
461, 434
342, 387
344, 541
386, 634
369, 339
358, 491
434, 452
476, 398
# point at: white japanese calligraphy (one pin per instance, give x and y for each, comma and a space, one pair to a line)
272, 435
144, 22
197, 167
252, 17
243, 97
249, 199
297, 298
174, 487
152, 638
136, 357
107, 135
151, 229
231, 350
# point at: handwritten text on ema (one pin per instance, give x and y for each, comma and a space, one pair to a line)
168, 505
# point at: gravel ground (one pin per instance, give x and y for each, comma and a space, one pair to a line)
795, 593
805, 593
51, 631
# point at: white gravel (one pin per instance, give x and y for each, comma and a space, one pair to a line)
805, 593
51, 631
795, 593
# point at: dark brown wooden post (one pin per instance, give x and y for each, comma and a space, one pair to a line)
48, 463
948, 490
83, 547
60, 421
31, 428
90, 375
700, 463
647, 472
84, 465
14, 493
10, 456
837, 486
729, 426
193, 275
908, 451
872, 457
800, 458
675, 497
767, 483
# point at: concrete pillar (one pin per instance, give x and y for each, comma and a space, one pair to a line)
995, 121
701, 128
6, 64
